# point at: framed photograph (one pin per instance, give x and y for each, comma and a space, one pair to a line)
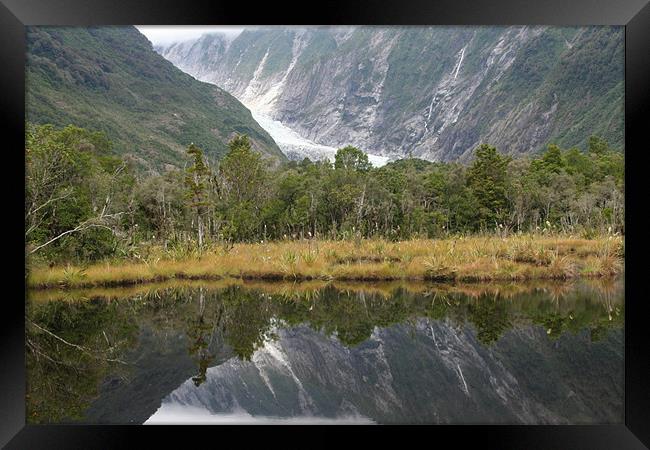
373, 213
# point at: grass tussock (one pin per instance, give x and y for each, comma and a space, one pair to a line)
461, 259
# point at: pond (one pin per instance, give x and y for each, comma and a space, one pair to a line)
210, 352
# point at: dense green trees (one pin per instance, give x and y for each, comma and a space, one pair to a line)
242, 189
487, 179
83, 205
351, 158
75, 195
196, 179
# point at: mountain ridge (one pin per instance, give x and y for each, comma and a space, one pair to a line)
110, 79
431, 92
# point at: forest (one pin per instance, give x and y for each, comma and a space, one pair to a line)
84, 206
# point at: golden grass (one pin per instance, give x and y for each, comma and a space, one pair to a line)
462, 259
293, 289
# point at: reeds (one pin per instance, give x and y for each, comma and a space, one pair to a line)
460, 259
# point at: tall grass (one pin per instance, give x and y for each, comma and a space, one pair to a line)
476, 258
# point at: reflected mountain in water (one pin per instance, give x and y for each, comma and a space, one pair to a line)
405, 354
427, 372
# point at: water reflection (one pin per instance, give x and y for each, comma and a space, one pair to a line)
200, 333
277, 353
175, 414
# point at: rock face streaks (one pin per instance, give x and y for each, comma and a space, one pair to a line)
433, 92
429, 372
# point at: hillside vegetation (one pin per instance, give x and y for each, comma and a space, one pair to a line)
110, 79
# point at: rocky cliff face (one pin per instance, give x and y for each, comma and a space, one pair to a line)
432, 92
426, 372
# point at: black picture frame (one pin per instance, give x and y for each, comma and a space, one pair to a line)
633, 14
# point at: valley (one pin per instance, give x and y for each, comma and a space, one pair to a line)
325, 225
432, 93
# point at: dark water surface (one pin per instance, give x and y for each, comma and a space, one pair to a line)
278, 353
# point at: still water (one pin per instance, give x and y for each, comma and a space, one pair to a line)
309, 353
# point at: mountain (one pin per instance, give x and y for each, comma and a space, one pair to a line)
110, 79
423, 372
430, 92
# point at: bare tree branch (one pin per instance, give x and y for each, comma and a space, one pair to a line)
51, 200
83, 226
78, 347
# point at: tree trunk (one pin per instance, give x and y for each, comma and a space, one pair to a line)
200, 228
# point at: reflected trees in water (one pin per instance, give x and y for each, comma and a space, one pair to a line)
73, 346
